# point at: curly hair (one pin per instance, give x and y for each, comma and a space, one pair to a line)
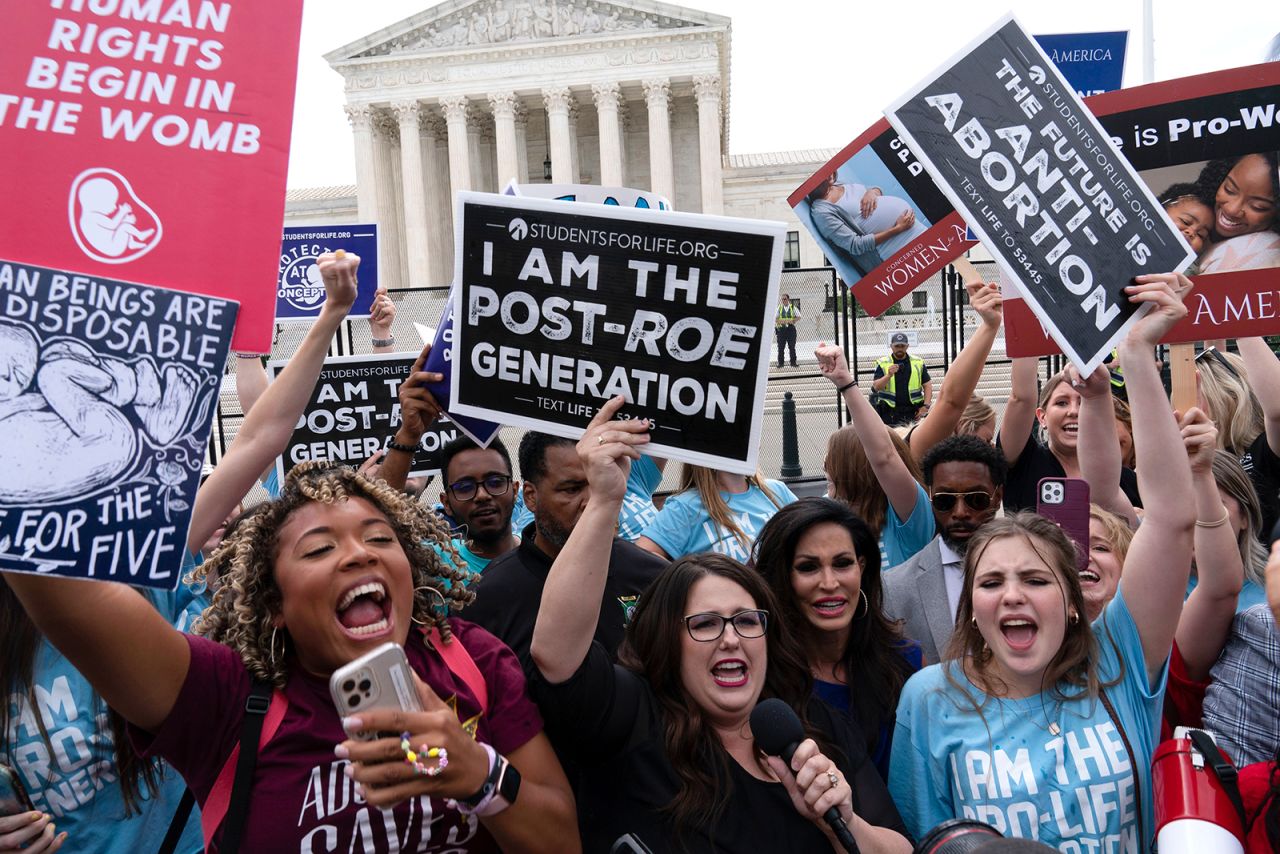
247, 598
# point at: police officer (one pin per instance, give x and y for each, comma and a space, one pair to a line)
901, 386
785, 328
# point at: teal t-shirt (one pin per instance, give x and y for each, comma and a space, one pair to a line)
1251, 594
900, 540
1073, 790
474, 562
76, 783
684, 527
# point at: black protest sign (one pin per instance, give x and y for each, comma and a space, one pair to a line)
107, 392
354, 411
562, 306
1043, 185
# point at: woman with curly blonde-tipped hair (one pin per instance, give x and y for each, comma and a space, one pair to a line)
333, 568
337, 566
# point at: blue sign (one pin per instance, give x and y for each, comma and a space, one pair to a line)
299, 289
440, 361
1092, 62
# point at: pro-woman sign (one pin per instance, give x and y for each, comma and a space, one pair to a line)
148, 140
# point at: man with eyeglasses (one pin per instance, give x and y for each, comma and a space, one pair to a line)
556, 491
965, 478
479, 494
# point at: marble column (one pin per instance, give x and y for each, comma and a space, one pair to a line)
417, 243
557, 101
575, 162
479, 175
389, 221
657, 95
522, 143
455, 114
606, 97
435, 190
504, 131
361, 119
707, 90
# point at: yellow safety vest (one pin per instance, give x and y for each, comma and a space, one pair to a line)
915, 387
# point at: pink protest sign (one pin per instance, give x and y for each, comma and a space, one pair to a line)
148, 140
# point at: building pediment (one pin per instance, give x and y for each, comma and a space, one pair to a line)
477, 24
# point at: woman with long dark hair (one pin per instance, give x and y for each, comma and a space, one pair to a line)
823, 565
669, 759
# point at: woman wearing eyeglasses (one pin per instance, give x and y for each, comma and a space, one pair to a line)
823, 566
871, 468
668, 755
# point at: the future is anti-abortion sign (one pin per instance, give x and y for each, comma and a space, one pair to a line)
149, 140
107, 391
1043, 185
560, 307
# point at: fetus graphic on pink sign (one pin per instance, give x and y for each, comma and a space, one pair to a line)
109, 221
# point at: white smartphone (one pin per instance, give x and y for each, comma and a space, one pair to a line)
379, 679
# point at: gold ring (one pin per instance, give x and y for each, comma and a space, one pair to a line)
599, 440
835, 780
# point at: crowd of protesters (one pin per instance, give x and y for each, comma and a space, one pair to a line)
588, 656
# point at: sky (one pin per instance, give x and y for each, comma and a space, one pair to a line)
816, 76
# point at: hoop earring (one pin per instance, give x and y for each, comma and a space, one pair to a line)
272, 646
866, 605
1074, 618
974, 622
443, 607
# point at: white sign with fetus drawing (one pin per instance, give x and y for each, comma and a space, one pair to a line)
107, 392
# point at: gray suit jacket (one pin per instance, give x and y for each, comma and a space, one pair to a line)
916, 593
846, 238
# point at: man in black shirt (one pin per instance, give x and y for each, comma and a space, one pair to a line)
509, 592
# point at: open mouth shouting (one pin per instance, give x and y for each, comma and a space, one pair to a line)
730, 673
364, 611
1089, 578
1019, 632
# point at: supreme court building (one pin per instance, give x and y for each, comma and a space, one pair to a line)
469, 94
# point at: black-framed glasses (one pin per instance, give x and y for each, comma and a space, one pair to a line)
945, 502
706, 628
466, 488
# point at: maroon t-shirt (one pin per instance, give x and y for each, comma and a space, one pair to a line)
301, 800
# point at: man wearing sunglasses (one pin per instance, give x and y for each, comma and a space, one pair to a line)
479, 494
965, 478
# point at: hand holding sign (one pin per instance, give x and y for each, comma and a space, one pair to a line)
418, 407
1096, 384
606, 448
1165, 292
338, 270
1200, 437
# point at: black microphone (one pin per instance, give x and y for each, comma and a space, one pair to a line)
778, 732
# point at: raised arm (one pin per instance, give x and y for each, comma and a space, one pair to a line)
964, 373
892, 473
418, 411
1020, 411
1159, 560
251, 380
564, 629
1207, 614
382, 314
1264, 379
1099, 444
267, 428
114, 637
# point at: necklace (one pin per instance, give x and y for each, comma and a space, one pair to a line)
1050, 725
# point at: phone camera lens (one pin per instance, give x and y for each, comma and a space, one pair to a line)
365, 685
353, 700
349, 686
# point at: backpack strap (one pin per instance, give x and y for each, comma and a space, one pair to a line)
229, 798
179, 823
461, 664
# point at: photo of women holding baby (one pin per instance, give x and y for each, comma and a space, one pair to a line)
1245, 231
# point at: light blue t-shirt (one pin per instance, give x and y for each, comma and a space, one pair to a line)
899, 541
78, 784
272, 484
684, 527
474, 562
637, 505
1251, 594
1073, 791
